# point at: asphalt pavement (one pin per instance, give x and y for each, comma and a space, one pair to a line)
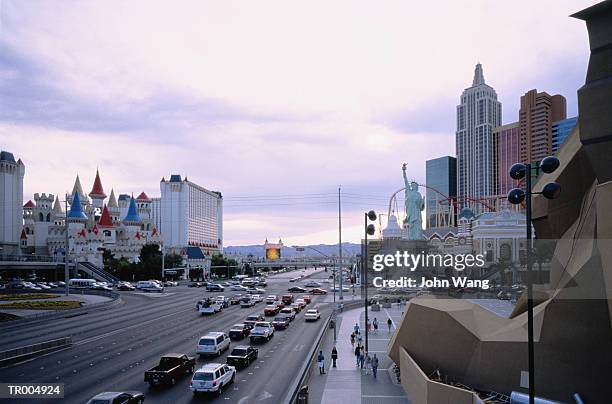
112, 348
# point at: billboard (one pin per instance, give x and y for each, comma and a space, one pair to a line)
273, 254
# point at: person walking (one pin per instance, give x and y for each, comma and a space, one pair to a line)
361, 357
321, 363
334, 356
375, 324
357, 353
374, 365
356, 328
389, 324
359, 339
353, 339
369, 326
368, 363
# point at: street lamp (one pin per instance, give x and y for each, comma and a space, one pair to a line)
516, 196
369, 230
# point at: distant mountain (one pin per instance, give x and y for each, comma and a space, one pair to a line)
348, 250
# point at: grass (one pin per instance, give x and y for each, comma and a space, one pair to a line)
28, 296
44, 305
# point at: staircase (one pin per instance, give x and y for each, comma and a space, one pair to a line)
96, 273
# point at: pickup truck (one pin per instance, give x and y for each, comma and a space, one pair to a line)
208, 306
262, 330
171, 367
242, 356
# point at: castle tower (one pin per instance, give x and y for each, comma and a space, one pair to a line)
143, 204
113, 207
58, 215
97, 195
78, 189
43, 219
11, 201
132, 219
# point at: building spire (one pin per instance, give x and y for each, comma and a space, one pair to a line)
478, 76
112, 201
97, 191
57, 208
77, 187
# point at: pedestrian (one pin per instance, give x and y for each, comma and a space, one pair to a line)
389, 323
359, 338
356, 328
334, 356
374, 365
369, 326
321, 363
361, 357
357, 353
375, 324
368, 363
353, 339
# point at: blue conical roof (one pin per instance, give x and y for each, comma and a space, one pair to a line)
132, 215
76, 210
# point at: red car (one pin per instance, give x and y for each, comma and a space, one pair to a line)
280, 305
287, 299
318, 291
271, 310
307, 299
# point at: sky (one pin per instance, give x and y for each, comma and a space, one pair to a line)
275, 104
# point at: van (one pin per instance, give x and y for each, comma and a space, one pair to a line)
149, 286
81, 283
212, 377
213, 343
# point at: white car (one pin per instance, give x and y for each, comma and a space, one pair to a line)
272, 299
149, 286
257, 298
213, 343
247, 301
337, 289
262, 330
239, 288
212, 377
312, 315
312, 284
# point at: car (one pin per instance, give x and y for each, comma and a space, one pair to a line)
253, 318
214, 287
170, 283
235, 299
100, 286
212, 377
280, 305
194, 285
296, 289
271, 310
287, 299
312, 315
247, 302
213, 343
239, 288
295, 307
312, 284
53, 284
149, 286
318, 291
240, 331
257, 298
289, 312
223, 301
255, 291
272, 299
113, 397
281, 322
294, 279
43, 286
307, 299
337, 289
171, 366
242, 356
262, 283
125, 286
301, 302
263, 330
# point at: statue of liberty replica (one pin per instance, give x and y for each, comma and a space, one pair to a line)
414, 205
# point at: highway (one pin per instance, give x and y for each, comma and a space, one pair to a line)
112, 348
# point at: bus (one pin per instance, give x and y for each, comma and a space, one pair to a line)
81, 283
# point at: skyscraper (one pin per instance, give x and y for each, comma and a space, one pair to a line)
508, 140
441, 175
561, 130
11, 202
538, 112
477, 115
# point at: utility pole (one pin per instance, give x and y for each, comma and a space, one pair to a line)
340, 243
66, 270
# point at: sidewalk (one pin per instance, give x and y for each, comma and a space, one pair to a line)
346, 383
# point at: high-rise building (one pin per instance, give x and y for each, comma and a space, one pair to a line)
561, 130
441, 176
537, 113
11, 202
190, 215
508, 141
477, 115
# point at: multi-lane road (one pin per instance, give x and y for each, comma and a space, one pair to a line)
112, 348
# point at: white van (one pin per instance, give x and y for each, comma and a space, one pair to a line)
213, 343
149, 286
81, 283
212, 377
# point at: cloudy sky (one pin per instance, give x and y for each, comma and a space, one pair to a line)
273, 103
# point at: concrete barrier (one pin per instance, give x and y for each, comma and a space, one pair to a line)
20, 354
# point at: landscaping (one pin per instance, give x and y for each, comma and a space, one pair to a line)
28, 296
43, 305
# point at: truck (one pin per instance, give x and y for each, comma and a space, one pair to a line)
170, 368
209, 306
263, 330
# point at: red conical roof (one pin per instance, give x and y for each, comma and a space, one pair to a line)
24, 236
143, 197
97, 190
29, 204
105, 219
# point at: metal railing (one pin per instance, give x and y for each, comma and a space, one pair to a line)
24, 352
29, 258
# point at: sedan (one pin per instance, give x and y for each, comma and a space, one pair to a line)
195, 284
296, 289
239, 288
125, 286
240, 331
214, 287
242, 356
281, 322
270, 310
312, 284
312, 315
112, 397
318, 291
289, 312
235, 299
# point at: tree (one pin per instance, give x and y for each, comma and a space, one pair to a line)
221, 266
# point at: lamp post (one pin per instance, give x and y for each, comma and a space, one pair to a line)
369, 230
516, 196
